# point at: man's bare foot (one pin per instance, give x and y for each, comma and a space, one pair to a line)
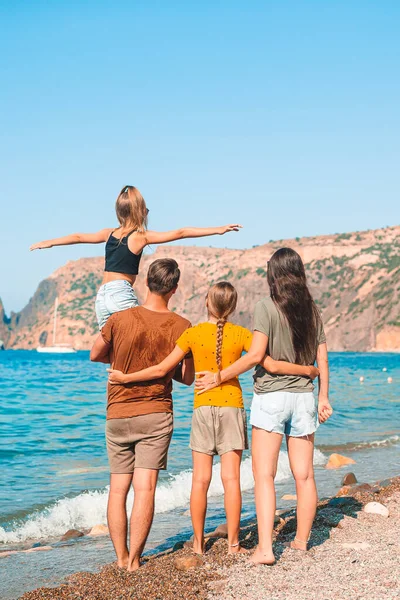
297, 545
237, 550
133, 566
263, 557
123, 563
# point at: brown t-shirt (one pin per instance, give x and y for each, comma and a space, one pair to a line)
141, 338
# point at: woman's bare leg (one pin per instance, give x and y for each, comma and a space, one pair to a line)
301, 453
202, 472
265, 452
230, 475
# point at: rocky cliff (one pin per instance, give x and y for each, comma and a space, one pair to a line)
354, 277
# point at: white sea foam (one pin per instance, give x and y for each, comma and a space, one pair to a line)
390, 441
89, 508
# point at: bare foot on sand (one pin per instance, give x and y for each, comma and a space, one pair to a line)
134, 566
297, 545
198, 547
263, 557
123, 563
237, 550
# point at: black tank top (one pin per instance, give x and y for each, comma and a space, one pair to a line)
119, 259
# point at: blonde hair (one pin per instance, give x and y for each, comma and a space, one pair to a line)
131, 210
221, 302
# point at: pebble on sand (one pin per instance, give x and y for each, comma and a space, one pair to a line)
376, 508
357, 546
184, 563
336, 461
71, 534
99, 530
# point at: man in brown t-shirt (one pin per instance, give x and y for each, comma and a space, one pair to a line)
139, 416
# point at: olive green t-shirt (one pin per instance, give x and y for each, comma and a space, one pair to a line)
270, 321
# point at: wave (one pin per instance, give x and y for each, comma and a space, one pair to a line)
89, 508
354, 446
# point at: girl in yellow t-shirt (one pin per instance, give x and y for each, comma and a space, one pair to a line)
219, 419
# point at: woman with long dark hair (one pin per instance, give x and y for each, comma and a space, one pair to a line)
287, 326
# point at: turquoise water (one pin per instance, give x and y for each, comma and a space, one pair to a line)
54, 467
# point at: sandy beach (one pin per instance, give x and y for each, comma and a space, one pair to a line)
353, 554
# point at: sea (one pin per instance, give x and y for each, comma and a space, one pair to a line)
54, 474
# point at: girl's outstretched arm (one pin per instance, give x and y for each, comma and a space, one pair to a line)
74, 238
156, 372
156, 237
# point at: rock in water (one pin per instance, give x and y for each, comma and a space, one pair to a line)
220, 532
376, 508
184, 563
99, 530
7, 553
71, 534
39, 549
337, 460
349, 479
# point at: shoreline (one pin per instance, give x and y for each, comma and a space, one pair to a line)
169, 574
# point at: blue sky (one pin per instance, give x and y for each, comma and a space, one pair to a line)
280, 115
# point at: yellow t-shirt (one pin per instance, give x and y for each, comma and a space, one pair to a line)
202, 341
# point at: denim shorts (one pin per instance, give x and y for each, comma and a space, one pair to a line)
113, 297
290, 413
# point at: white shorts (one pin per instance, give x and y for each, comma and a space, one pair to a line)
290, 413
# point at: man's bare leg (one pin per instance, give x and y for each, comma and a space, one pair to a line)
144, 487
117, 517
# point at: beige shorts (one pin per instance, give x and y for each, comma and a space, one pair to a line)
140, 442
217, 430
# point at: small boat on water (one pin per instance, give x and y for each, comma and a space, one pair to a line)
56, 348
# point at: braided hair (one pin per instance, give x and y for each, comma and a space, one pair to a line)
221, 302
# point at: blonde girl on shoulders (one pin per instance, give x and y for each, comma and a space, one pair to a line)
124, 248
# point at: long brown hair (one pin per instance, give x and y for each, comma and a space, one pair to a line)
289, 291
131, 210
221, 302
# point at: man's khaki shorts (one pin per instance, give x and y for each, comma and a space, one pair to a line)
139, 442
217, 430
